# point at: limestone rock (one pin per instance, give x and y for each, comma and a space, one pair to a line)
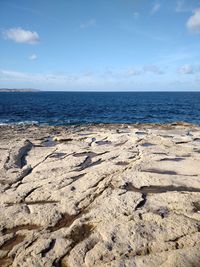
106, 196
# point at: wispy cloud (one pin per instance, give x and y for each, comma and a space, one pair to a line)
133, 72
33, 57
142, 77
129, 73
174, 58
193, 23
6, 74
155, 8
136, 15
153, 69
20, 35
181, 6
56, 78
25, 9
161, 37
87, 24
185, 6
122, 73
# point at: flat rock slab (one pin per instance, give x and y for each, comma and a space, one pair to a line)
100, 195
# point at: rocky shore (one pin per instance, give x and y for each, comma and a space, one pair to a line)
100, 195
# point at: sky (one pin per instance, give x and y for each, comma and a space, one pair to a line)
101, 45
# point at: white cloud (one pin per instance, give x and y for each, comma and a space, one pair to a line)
189, 69
155, 8
193, 23
88, 24
20, 35
33, 57
132, 72
186, 69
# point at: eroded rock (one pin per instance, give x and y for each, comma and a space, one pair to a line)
109, 195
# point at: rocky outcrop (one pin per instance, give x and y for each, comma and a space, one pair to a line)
15, 167
108, 195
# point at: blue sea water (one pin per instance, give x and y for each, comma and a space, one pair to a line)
64, 108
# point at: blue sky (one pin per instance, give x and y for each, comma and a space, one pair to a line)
106, 45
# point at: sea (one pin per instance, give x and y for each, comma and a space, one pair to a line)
76, 108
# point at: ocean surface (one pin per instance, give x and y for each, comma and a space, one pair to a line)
65, 108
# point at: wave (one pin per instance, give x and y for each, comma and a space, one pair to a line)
6, 122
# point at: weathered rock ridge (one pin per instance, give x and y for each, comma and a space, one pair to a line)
107, 195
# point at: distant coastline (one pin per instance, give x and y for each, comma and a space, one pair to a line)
6, 90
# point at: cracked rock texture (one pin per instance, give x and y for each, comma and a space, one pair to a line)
106, 195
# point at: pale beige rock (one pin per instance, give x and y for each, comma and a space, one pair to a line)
107, 195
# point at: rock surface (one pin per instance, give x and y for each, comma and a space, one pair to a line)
107, 195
